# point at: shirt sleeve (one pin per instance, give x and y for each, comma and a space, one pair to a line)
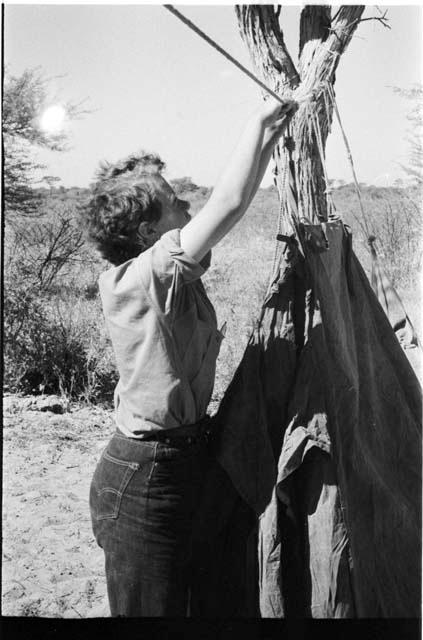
165, 268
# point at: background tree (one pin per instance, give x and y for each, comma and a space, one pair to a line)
43, 245
40, 249
41, 237
414, 169
24, 99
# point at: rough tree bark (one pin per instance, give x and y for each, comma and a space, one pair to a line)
323, 39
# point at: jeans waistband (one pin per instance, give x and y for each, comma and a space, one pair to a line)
184, 434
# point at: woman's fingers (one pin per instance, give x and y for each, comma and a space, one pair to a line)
273, 110
290, 107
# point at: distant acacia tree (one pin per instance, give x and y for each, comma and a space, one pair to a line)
24, 98
414, 168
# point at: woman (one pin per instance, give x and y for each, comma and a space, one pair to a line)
163, 329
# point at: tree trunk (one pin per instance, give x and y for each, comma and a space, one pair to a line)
322, 41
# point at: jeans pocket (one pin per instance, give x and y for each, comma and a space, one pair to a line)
108, 486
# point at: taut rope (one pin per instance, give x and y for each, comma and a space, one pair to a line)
218, 48
350, 158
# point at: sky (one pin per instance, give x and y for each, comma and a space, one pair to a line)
150, 83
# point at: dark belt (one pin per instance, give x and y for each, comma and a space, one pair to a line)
186, 434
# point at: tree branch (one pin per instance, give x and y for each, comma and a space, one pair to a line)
315, 26
326, 56
382, 19
315, 22
260, 30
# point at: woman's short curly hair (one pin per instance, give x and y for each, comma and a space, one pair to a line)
123, 195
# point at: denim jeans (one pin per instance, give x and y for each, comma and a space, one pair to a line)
143, 497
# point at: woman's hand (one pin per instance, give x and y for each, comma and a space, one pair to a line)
239, 181
274, 114
275, 117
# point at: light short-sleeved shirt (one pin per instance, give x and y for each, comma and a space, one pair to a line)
164, 334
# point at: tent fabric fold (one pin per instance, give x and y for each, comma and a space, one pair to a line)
313, 506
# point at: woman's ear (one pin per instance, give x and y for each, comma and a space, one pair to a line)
147, 234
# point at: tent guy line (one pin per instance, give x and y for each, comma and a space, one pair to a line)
218, 48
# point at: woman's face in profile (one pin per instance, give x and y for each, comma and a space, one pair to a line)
174, 210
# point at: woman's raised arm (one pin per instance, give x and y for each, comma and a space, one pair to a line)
239, 181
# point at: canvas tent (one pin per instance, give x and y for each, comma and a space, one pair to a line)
313, 505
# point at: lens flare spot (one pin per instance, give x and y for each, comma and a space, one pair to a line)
53, 119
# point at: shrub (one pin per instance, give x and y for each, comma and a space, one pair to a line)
394, 216
22, 321
56, 345
46, 247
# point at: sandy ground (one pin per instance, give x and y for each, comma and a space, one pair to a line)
52, 566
